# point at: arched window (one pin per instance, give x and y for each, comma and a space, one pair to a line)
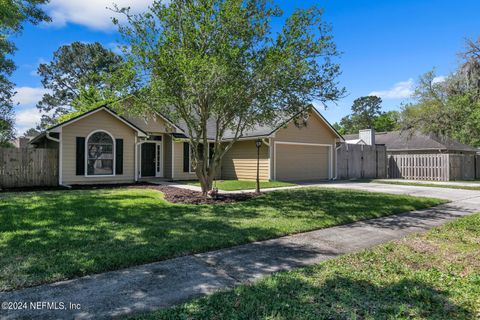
100, 154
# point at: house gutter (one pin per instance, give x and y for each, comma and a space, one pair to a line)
47, 135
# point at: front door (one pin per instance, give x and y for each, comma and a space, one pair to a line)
148, 159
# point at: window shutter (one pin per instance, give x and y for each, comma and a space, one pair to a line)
200, 151
186, 157
211, 148
118, 156
80, 155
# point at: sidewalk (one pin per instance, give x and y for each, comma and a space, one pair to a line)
162, 284
440, 183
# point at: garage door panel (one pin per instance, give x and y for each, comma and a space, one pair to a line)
301, 162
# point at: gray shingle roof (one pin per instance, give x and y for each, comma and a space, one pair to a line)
257, 131
408, 140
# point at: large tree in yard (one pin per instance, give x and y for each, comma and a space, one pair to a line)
204, 62
78, 78
451, 107
366, 113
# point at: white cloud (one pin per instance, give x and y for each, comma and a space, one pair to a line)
27, 96
26, 119
401, 90
94, 14
439, 79
26, 114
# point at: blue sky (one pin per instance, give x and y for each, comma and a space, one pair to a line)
386, 45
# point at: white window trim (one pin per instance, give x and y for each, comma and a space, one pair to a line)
330, 157
113, 153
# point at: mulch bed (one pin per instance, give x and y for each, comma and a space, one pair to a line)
185, 196
172, 194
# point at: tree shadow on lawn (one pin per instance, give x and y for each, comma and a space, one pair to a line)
63, 234
338, 297
421, 220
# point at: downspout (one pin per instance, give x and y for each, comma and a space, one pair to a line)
137, 162
137, 170
336, 161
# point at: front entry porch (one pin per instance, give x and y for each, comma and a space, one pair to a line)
151, 159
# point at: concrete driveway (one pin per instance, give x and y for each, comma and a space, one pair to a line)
162, 284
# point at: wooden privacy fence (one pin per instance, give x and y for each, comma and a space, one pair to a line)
361, 161
27, 167
462, 167
418, 166
441, 167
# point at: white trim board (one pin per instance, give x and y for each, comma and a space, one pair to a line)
330, 156
304, 143
270, 162
173, 157
60, 158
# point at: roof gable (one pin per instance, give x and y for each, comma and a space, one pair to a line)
57, 128
266, 131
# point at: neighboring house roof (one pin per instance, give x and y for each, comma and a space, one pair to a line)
408, 140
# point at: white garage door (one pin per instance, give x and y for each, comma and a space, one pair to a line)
301, 162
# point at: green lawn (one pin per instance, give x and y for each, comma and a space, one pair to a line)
475, 186
49, 236
230, 185
426, 276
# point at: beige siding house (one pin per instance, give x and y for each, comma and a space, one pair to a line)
102, 147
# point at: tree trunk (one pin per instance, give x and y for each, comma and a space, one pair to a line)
205, 177
206, 183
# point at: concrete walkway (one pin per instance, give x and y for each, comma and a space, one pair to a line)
199, 189
152, 286
350, 184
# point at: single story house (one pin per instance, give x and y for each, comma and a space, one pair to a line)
101, 146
